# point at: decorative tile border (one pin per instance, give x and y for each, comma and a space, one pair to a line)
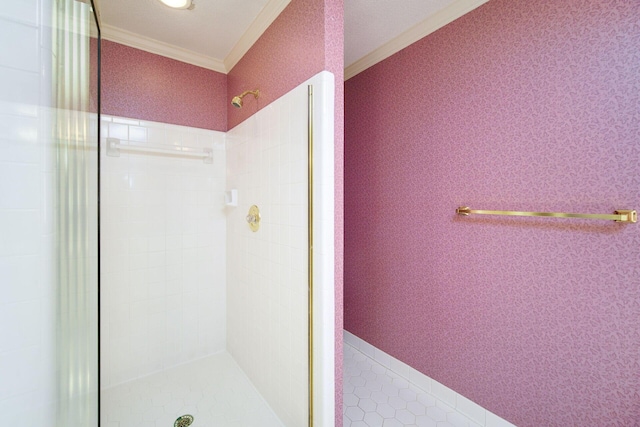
470, 409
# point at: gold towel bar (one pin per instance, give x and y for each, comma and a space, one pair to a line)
619, 216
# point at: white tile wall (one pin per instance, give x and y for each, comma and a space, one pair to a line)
267, 270
27, 283
469, 413
163, 251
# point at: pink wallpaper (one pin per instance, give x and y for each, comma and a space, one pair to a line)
523, 106
289, 52
334, 62
146, 86
305, 39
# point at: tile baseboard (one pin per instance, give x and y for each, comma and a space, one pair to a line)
465, 406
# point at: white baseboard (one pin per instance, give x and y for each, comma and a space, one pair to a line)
468, 408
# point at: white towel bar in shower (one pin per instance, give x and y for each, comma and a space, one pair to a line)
114, 146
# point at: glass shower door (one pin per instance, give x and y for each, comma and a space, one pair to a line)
75, 124
48, 213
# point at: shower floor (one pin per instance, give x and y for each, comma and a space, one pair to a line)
213, 389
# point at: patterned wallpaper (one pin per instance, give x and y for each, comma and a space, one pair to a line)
334, 57
289, 52
523, 106
146, 86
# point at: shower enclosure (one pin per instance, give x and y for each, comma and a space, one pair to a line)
196, 316
49, 113
205, 309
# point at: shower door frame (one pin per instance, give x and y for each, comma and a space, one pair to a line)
310, 245
95, 4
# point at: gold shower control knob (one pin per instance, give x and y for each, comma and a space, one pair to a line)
253, 218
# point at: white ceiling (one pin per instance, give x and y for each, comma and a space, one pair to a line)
216, 33
368, 24
212, 28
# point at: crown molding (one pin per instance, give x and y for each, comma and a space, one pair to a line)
137, 41
412, 35
265, 18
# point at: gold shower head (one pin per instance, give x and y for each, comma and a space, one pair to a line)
237, 100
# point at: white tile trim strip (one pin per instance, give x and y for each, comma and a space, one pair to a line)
323, 254
471, 410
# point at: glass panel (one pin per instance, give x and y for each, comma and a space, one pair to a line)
75, 130
48, 215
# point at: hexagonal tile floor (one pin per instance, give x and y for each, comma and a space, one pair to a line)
214, 390
375, 396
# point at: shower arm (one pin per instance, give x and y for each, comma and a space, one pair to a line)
255, 93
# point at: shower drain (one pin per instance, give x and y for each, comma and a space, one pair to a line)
183, 421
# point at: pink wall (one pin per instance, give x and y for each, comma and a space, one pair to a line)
145, 86
289, 52
305, 39
517, 105
334, 62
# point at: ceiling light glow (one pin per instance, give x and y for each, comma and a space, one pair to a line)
178, 4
